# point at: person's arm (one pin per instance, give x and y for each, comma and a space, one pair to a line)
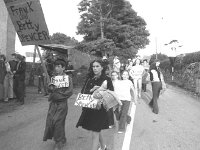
163, 81
132, 91
131, 72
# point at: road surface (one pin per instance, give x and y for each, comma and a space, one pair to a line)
176, 127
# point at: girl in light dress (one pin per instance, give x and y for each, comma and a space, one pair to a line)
136, 73
125, 92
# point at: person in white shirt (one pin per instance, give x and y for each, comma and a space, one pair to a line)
125, 92
136, 74
116, 64
158, 84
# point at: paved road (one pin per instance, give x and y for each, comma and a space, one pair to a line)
176, 127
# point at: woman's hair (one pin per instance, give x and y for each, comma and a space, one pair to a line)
136, 60
153, 67
90, 71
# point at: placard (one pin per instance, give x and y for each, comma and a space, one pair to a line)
28, 19
86, 100
60, 81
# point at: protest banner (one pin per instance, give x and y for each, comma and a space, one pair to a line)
86, 100
60, 81
29, 22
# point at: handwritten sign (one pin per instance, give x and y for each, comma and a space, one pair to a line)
28, 19
86, 100
60, 81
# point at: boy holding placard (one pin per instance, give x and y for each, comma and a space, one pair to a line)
61, 88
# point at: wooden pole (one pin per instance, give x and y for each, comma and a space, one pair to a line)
43, 65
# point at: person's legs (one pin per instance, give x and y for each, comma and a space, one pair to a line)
139, 82
39, 84
156, 86
15, 88
123, 117
110, 117
59, 128
136, 89
10, 87
5, 85
101, 141
1, 92
21, 91
95, 140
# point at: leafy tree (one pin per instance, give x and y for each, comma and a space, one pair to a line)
161, 57
113, 20
61, 38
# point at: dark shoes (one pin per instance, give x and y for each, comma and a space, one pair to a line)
128, 119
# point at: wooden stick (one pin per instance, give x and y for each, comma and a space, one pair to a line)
43, 65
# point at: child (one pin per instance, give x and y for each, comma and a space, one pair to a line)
61, 88
123, 89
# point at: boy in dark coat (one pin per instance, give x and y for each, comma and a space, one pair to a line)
61, 88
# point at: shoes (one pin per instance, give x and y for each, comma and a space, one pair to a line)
128, 120
120, 132
110, 127
105, 148
6, 100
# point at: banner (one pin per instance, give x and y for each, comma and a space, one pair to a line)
60, 81
86, 100
29, 22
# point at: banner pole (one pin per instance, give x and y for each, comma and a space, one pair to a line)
43, 65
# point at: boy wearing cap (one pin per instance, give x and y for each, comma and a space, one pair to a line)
60, 88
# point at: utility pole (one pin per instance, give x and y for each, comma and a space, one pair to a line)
156, 48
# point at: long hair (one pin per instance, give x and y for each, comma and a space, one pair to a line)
153, 67
91, 72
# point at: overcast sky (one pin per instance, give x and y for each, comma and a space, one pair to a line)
166, 20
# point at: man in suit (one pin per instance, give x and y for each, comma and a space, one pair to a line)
19, 79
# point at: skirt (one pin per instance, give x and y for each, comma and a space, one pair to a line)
93, 119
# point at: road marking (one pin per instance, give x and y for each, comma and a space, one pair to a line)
129, 129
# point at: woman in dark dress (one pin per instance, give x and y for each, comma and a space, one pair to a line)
95, 120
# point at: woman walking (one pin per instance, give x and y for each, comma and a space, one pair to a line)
136, 74
158, 84
95, 120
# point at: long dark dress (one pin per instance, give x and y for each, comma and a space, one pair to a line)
58, 108
93, 119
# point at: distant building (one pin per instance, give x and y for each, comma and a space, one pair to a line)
29, 57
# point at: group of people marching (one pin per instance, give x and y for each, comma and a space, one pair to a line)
126, 83
12, 78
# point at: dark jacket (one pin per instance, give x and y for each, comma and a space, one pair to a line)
13, 65
20, 71
2, 71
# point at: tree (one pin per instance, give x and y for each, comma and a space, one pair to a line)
161, 57
113, 20
61, 38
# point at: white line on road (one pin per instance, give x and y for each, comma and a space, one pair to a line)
129, 129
